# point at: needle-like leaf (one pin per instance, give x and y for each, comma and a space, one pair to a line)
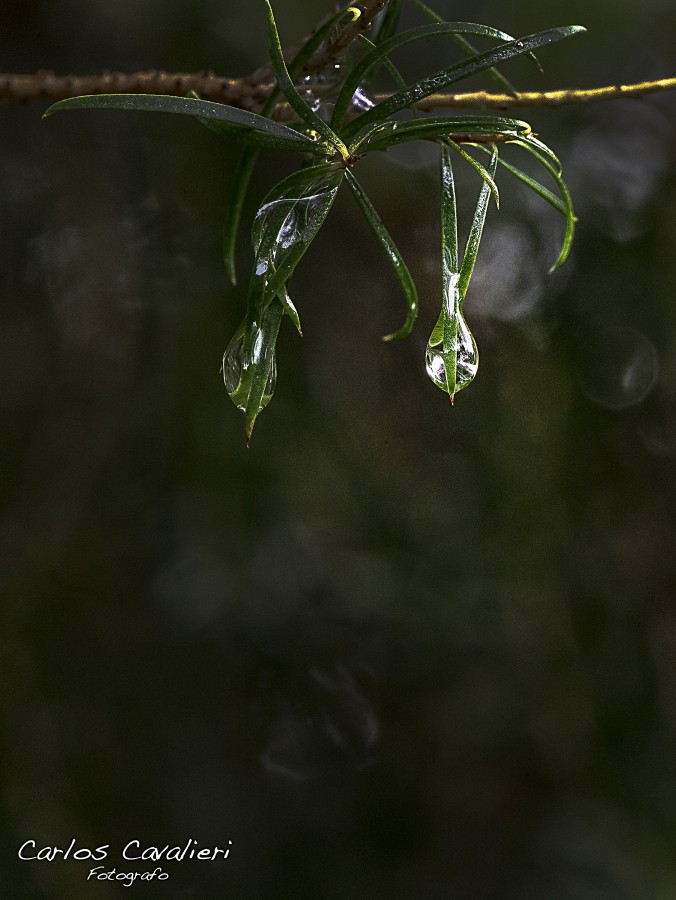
393, 254
246, 164
476, 230
390, 21
442, 79
236, 124
476, 165
288, 88
382, 50
470, 50
529, 181
383, 135
550, 161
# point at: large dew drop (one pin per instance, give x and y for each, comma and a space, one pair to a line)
233, 367
467, 359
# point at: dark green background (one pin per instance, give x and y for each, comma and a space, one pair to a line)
395, 650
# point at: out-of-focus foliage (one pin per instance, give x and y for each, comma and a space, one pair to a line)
395, 652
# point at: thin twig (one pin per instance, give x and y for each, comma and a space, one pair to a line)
484, 100
238, 92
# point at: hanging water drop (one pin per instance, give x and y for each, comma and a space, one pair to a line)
235, 363
462, 350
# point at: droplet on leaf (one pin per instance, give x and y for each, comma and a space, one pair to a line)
464, 348
235, 364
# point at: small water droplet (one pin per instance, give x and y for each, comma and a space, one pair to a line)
467, 359
362, 100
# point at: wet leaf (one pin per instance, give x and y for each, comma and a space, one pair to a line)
476, 230
382, 50
442, 79
451, 358
288, 88
382, 135
287, 223
235, 124
246, 164
250, 365
476, 165
494, 74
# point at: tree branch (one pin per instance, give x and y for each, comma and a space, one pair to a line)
484, 100
250, 92
244, 94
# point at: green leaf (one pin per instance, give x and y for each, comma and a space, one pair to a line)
288, 88
385, 134
476, 165
476, 230
290, 309
380, 52
452, 357
390, 21
236, 124
246, 164
250, 365
450, 256
549, 160
286, 224
442, 79
494, 74
241, 178
389, 65
529, 181
393, 254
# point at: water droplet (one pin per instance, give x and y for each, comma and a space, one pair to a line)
235, 364
467, 358
362, 100
318, 88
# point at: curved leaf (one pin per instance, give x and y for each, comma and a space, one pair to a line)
382, 50
247, 162
386, 134
393, 254
285, 226
249, 364
550, 161
494, 74
288, 88
529, 181
442, 79
476, 165
476, 230
236, 124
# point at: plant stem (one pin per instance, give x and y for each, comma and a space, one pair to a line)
241, 93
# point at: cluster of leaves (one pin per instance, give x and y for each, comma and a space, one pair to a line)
293, 212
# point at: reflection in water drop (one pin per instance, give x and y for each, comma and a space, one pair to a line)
233, 366
362, 100
467, 358
620, 368
317, 89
